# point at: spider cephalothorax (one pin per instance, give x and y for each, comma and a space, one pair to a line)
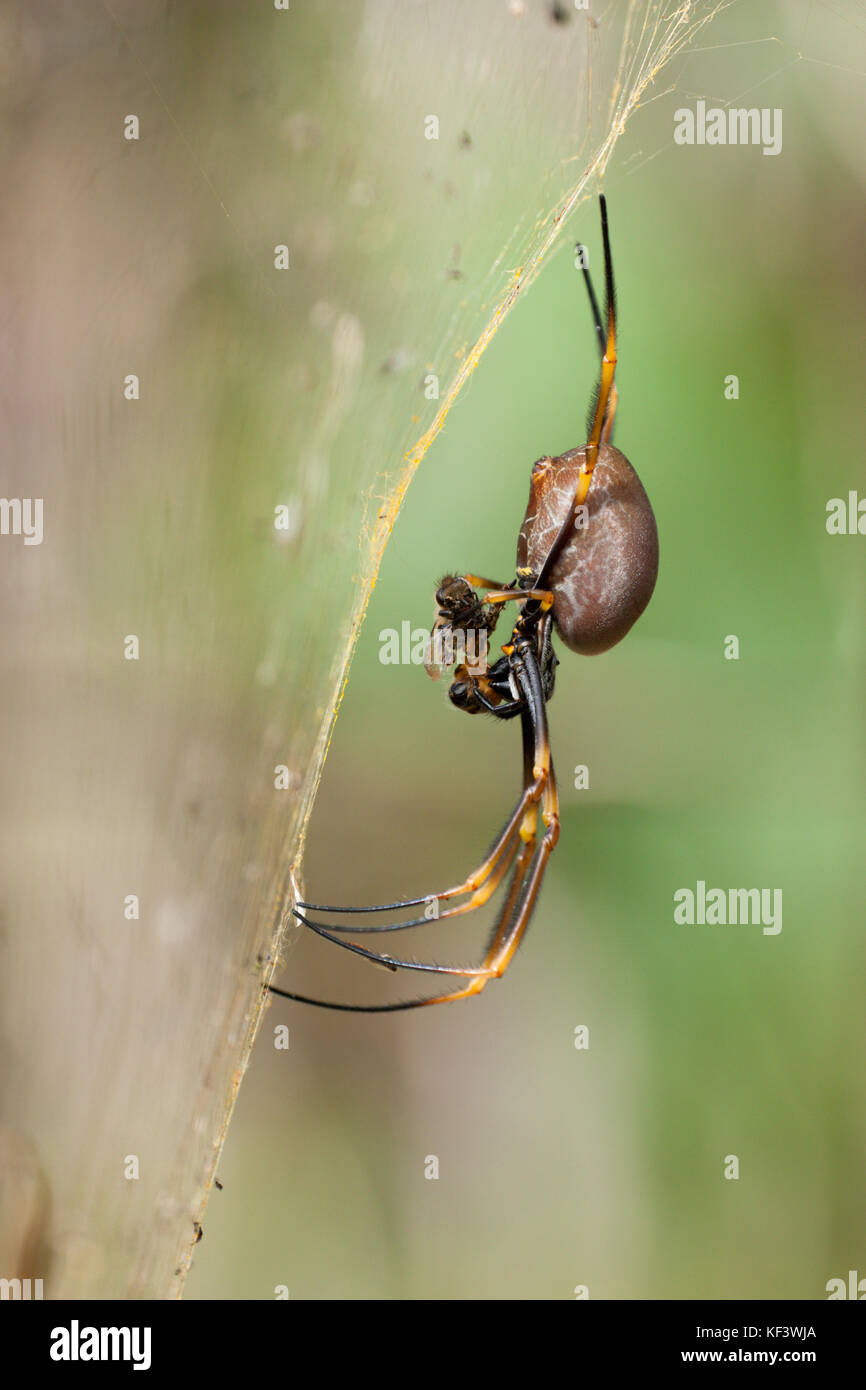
587, 558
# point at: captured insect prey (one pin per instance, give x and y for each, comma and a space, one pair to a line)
587, 559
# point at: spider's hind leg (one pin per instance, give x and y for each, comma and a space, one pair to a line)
481, 883
529, 866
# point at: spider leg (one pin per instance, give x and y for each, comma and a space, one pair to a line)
496, 961
479, 975
605, 406
522, 895
513, 833
475, 883
514, 918
607, 429
478, 583
501, 593
503, 711
543, 596
610, 412
391, 962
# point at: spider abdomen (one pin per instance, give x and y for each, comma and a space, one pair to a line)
605, 573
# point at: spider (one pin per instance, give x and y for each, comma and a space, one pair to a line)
587, 559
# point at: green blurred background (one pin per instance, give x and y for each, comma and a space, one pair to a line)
605, 1167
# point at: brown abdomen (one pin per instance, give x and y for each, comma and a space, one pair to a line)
605, 573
